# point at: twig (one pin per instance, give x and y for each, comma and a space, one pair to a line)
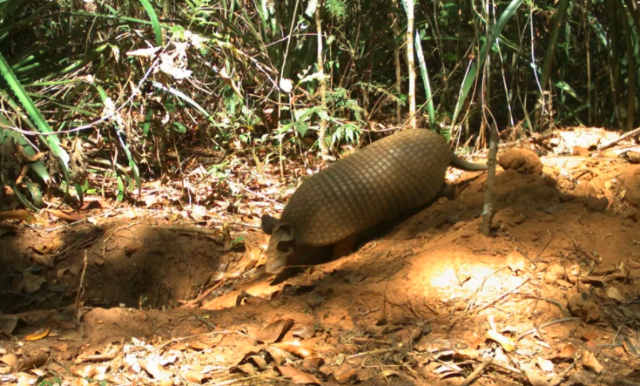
557, 303
212, 333
206, 322
630, 134
374, 352
490, 189
229, 382
480, 308
186, 228
194, 302
476, 373
547, 324
500, 297
65, 226
542, 250
255, 193
84, 270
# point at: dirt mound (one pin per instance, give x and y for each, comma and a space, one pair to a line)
556, 284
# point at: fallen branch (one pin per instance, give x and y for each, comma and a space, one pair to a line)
630, 134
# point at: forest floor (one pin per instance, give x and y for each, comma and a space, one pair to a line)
172, 290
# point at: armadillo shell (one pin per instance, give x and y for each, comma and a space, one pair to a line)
394, 174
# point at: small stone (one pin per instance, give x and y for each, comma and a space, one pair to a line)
634, 156
580, 151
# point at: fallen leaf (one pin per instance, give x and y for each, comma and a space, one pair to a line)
197, 345
506, 342
633, 264
32, 283
279, 355
567, 352
304, 331
345, 374
297, 376
193, 376
466, 354
87, 371
24, 380
152, 366
143, 52
75, 269
33, 362
70, 217
274, 331
295, 348
46, 260
96, 204
312, 363
93, 355
534, 377
590, 334
545, 364
51, 246
613, 293
38, 334
248, 299
19, 214
7, 325
259, 361
390, 372
630, 347
60, 272
101, 372
247, 368
589, 361
9, 359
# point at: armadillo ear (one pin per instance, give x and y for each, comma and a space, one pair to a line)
284, 231
268, 223
284, 234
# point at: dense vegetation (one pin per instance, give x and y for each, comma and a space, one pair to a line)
133, 87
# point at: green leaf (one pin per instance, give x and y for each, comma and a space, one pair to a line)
120, 192
154, 21
469, 79
179, 127
302, 127
568, 89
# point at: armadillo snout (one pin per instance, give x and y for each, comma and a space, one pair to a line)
281, 250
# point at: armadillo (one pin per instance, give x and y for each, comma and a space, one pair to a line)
398, 173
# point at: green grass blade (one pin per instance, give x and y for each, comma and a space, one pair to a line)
52, 141
154, 21
508, 13
427, 84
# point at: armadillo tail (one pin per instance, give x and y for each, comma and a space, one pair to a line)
464, 165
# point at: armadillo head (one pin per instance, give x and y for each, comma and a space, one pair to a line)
282, 244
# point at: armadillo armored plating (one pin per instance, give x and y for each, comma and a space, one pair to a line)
392, 175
